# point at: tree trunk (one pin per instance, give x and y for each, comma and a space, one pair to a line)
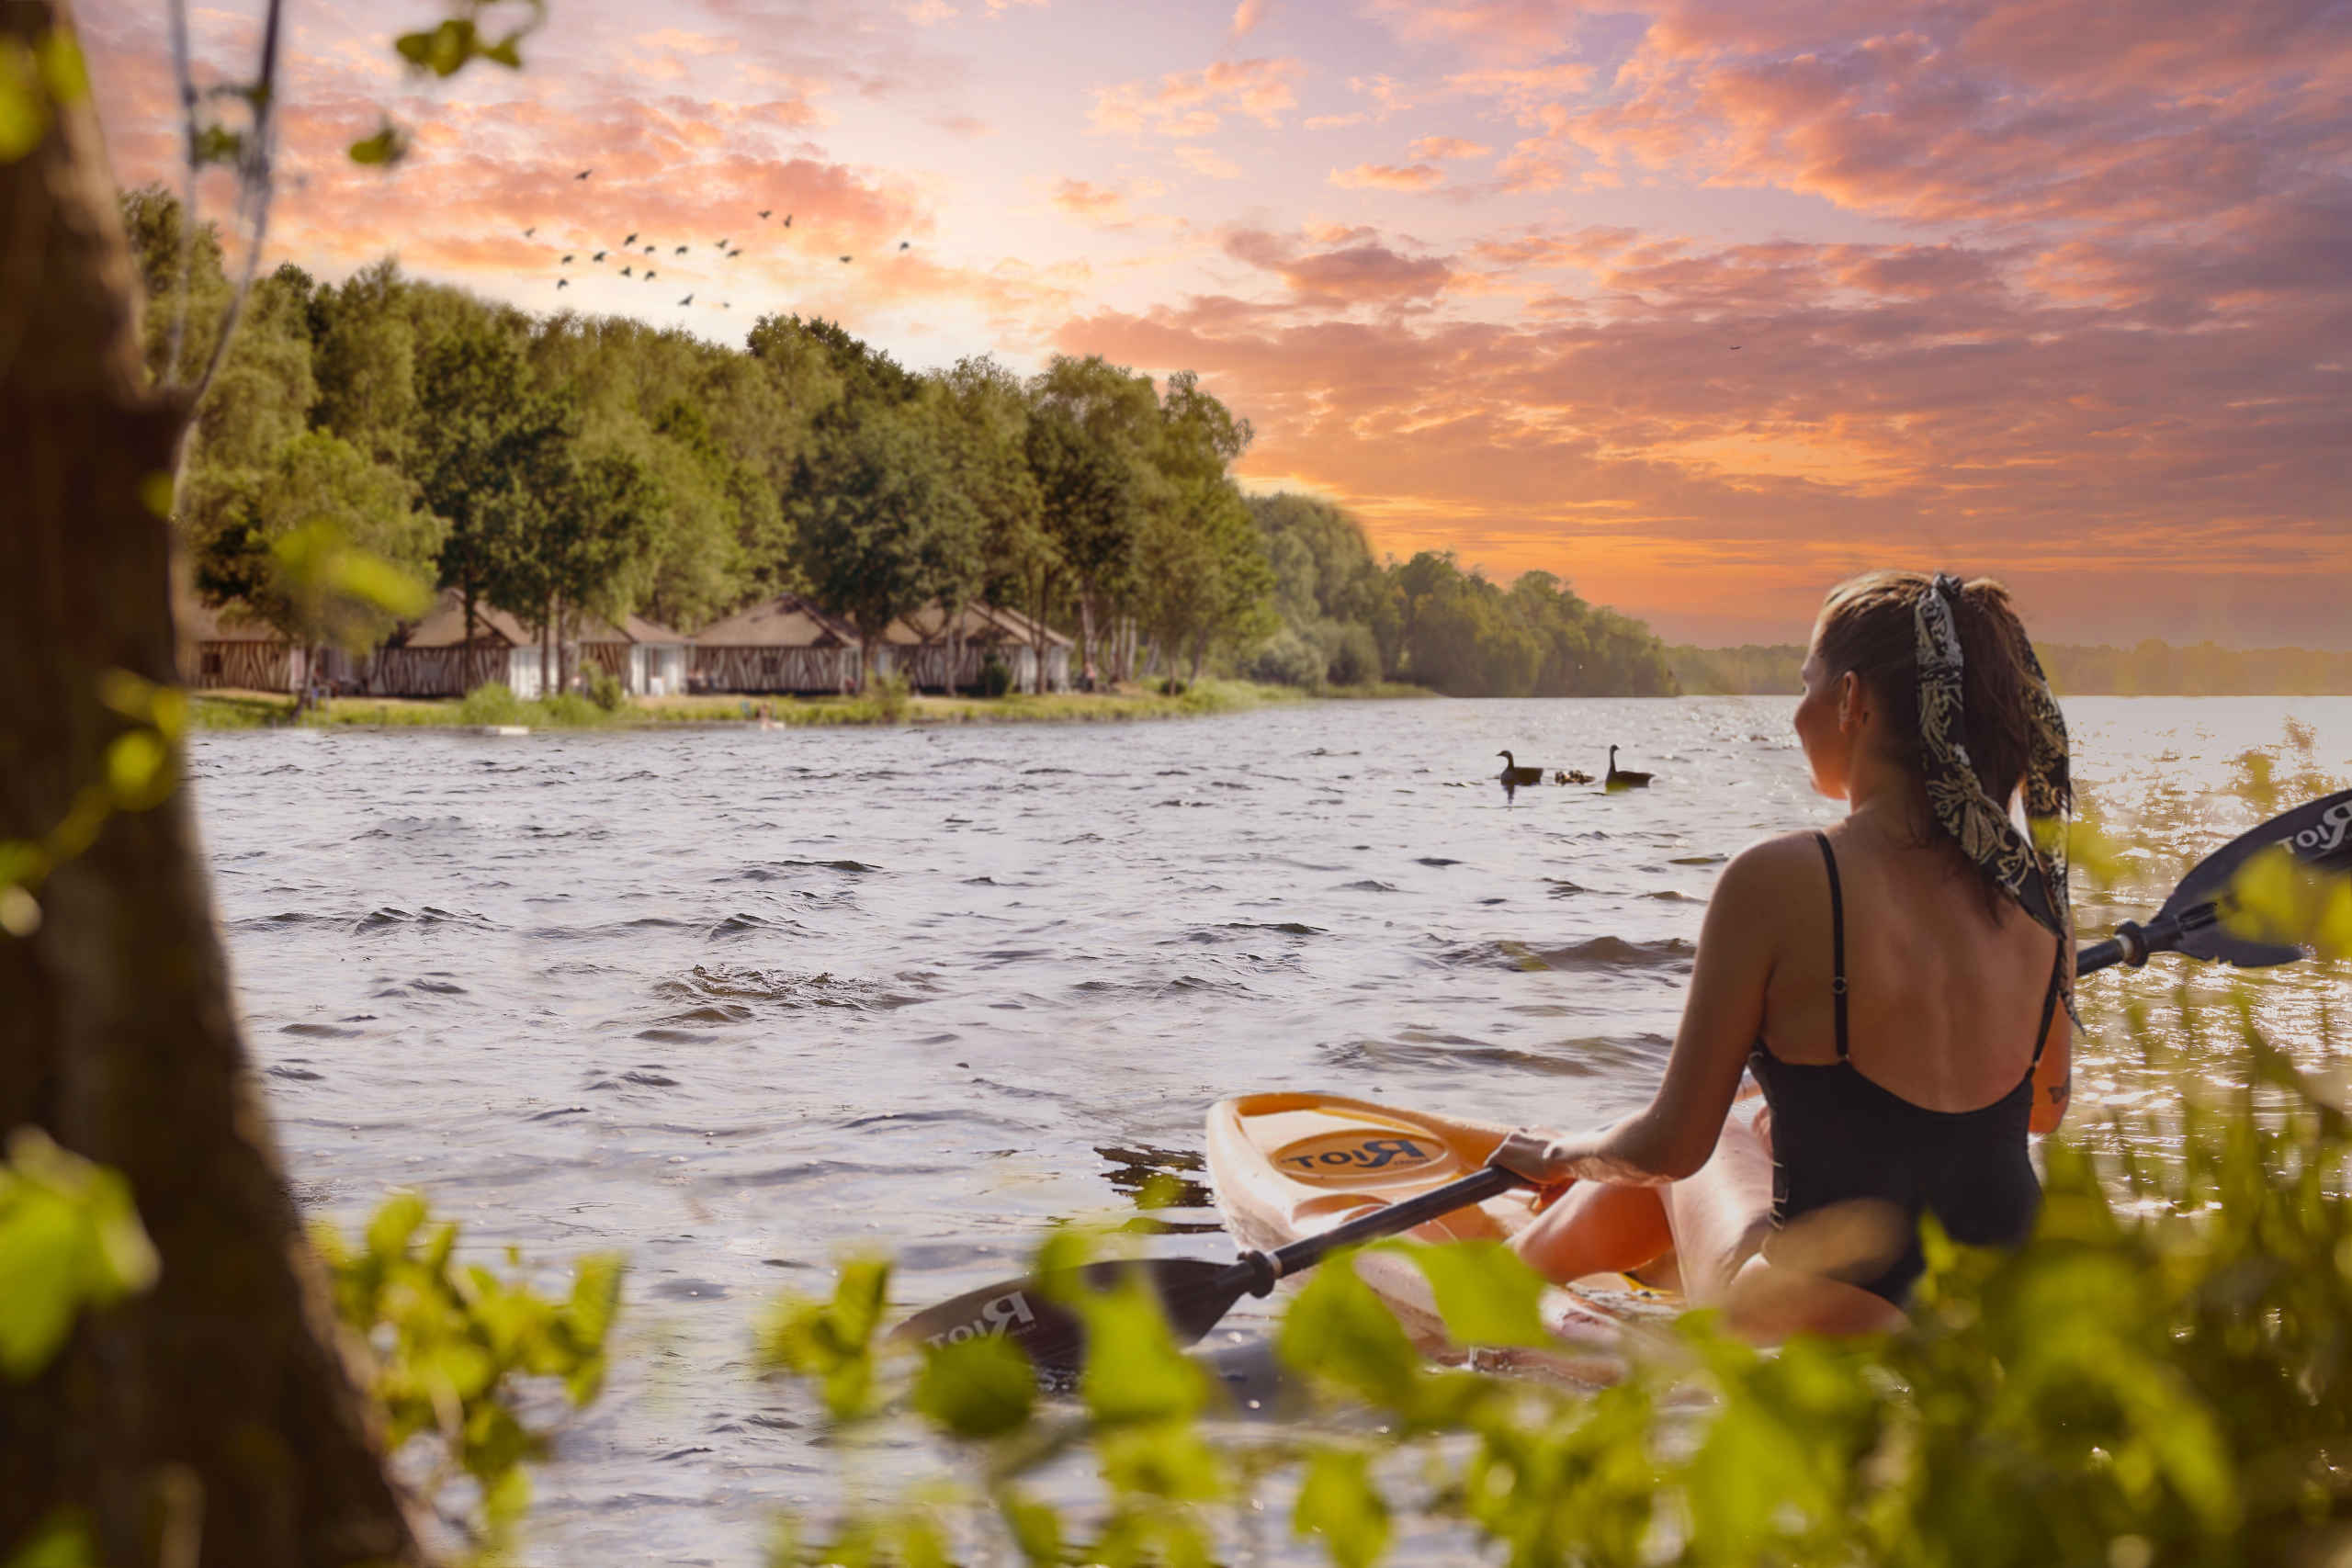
547, 641
1086, 633
1037, 637
117, 1033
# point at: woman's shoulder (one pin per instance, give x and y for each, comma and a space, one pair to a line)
1771, 872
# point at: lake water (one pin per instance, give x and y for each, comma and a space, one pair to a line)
737, 1002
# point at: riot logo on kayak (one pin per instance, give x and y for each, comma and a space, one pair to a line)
2326, 836
1351, 1157
996, 1318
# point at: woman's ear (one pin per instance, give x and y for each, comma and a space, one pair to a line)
1853, 703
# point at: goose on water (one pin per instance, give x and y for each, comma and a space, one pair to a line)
1572, 775
1513, 773
1620, 778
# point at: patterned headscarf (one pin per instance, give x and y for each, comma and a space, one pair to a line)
2035, 877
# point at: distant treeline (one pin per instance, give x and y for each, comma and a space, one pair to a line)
562, 465
2150, 669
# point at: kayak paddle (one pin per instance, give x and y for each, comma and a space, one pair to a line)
2319, 834
1194, 1291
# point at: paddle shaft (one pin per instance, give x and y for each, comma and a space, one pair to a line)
1489, 1182
2132, 942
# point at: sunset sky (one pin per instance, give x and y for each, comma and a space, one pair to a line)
1698, 303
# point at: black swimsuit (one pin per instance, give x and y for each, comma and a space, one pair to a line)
1839, 1136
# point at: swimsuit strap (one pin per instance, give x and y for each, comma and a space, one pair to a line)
2049, 1005
1837, 944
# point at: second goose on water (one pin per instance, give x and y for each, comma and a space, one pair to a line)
1621, 779
1514, 774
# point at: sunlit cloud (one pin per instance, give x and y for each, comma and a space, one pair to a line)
1246, 17
1389, 177
1192, 103
1447, 147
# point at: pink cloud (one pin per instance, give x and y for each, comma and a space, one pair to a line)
1505, 27
1356, 270
1190, 103
1447, 147
1246, 17
1389, 177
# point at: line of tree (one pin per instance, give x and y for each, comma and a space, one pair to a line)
2152, 668
558, 466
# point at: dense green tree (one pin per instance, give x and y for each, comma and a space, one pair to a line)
281, 527
578, 531
481, 426
872, 519
1095, 431
1205, 580
985, 426
363, 354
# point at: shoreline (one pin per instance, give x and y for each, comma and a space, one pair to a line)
232, 710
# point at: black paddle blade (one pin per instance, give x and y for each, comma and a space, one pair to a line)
2319, 834
1193, 1292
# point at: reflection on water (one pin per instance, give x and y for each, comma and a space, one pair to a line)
738, 1002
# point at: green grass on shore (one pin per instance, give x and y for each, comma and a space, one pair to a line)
253, 710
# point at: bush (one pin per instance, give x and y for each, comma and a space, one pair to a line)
996, 677
570, 710
1287, 659
1350, 655
491, 703
1173, 687
604, 689
887, 697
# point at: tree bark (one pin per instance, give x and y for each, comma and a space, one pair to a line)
117, 1031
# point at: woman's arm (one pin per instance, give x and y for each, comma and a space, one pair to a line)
1721, 1018
2053, 1076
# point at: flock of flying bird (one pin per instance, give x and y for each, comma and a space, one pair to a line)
629, 246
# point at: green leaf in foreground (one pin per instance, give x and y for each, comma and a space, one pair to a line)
831, 1341
1486, 1294
978, 1388
1134, 1371
68, 1239
1339, 1502
1339, 1332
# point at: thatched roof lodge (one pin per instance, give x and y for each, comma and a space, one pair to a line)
647, 657
231, 650
784, 644
920, 645
435, 658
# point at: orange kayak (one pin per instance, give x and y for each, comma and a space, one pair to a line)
1290, 1164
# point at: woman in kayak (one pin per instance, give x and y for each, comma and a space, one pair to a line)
1897, 985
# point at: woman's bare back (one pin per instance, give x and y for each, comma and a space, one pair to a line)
1943, 994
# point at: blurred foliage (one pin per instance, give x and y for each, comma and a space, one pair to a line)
140, 772
2164, 1375
70, 1241
36, 80
454, 1344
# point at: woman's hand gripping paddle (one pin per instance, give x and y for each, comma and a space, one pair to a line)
2193, 919
1196, 1293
